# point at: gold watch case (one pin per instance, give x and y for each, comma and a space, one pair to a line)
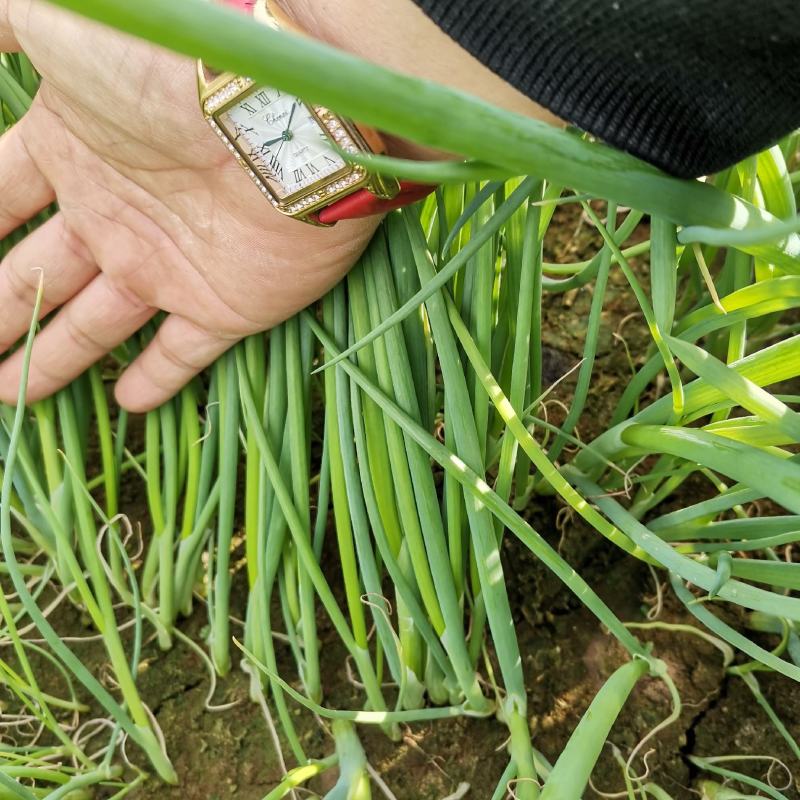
219, 92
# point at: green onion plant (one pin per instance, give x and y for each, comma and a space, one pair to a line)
366, 459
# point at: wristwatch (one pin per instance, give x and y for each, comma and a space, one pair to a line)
294, 152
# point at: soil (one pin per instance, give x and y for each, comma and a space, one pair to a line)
566, 654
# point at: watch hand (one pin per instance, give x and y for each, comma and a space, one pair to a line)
286, 135
285, 139
291, 117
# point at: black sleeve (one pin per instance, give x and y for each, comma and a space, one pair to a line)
691, 86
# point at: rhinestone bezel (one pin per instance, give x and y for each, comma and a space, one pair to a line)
226, 94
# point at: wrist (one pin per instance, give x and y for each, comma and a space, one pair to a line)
335, 23
397, 35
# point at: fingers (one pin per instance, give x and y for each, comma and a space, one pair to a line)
24, 191
87, 328
179, 351
67, 267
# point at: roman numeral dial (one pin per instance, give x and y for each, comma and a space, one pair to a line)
283, 141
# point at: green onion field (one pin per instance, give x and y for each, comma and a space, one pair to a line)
513, 512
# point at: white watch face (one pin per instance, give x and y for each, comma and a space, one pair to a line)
283, 140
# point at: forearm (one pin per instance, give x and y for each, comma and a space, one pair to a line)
397, 35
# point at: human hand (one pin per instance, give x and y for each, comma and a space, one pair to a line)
153, 215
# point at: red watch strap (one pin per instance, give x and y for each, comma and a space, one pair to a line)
365, 204
242, 5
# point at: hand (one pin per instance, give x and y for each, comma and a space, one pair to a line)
154, 214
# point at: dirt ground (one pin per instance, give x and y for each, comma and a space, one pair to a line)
567, 655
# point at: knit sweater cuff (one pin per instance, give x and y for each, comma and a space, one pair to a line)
688, 86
